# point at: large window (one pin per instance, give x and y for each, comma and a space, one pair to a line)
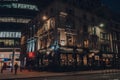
14, 19
92, 30
114, 36
9, 42
66, 20
104, 36
105, 48
70, 23
6, 42
62, 18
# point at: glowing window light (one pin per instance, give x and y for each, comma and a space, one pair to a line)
14, 20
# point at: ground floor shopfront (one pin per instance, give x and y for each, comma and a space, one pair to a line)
9, 56
67, 58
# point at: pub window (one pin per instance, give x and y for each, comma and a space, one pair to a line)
104, 36
70, 23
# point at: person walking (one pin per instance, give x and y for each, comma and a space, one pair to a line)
3, 67
16, 67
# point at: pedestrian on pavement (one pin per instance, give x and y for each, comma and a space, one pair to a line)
3, 67
16, 67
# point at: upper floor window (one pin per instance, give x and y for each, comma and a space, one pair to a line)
104, 36
69, 23
14, 20
70, 11
8, 42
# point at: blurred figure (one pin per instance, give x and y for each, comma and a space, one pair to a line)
10, 66
16, 67
3, 67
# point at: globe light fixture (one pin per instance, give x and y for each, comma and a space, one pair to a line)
44, 17
101, 25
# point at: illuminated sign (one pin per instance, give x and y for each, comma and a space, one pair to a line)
19, 6
10, 34
13, 19
31, 54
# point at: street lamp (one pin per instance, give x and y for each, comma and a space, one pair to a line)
13, 55
101, 25
44, 17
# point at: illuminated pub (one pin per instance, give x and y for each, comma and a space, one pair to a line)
69, 36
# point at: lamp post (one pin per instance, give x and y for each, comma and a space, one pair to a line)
13, 54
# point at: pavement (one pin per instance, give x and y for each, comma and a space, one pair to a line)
7, 75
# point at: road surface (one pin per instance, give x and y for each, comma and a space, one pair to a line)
104, 76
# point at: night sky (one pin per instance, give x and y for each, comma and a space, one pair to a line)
114, 5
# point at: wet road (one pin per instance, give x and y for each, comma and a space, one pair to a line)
110, 76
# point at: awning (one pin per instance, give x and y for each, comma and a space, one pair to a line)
66, 50
69, 50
